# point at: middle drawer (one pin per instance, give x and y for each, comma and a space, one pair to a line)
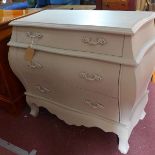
86, 74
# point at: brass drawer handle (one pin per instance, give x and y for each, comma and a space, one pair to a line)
91, 41
91, 76
94, 105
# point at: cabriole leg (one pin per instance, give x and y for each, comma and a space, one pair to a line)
123, 143
34, 108
143, 115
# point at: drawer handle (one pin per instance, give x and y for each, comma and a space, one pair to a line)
91, 76
90, 41
94, 105
34, 65
34, 35
42, 89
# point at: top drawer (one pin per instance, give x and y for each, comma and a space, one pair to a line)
94, 42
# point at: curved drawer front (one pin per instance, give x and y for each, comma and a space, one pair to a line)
93, 42
86, 74
91, 103
79, 100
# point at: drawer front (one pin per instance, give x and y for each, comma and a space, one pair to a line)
100, 43
94, 76
91, 103
79, 100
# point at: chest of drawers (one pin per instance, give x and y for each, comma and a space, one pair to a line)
92, 73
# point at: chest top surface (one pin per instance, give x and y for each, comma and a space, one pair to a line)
123, 22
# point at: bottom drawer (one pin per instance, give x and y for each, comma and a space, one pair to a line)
80, 100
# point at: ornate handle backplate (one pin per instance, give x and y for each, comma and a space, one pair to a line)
91, 76
94, 105
34, 35
91, 41
34, 65
42, 89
